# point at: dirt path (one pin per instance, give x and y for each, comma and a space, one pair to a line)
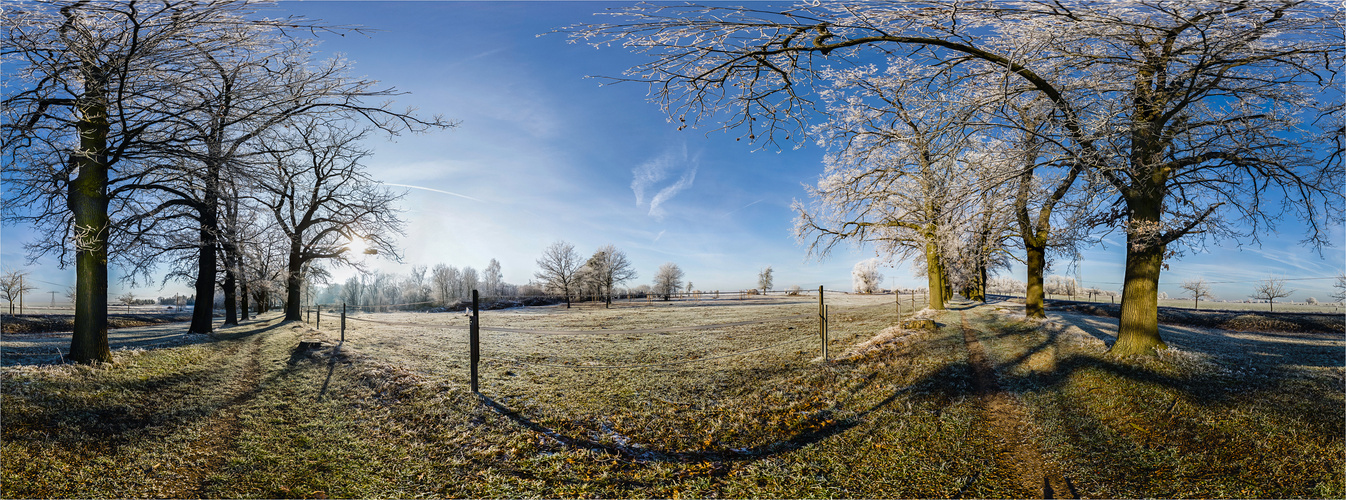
209, 452
1017, 451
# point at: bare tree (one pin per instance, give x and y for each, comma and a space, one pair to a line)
668, 280
322, 200
492, 279
1190, 111
13, 286
444, 280
1269, 290
470, 281
865, 276
557, 268
610, 268
764, 279
1197, 289
1340, 286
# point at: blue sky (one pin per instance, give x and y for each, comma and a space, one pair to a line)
542, 154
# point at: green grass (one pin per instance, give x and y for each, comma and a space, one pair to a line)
389, 415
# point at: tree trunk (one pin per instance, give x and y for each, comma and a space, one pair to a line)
1138, 329
1037, 263
243, 300
88, 203
934, 271
230, 288
293, 283
202, 312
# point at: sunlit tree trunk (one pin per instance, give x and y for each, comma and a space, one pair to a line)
1138, 329
934, 270
1037, 262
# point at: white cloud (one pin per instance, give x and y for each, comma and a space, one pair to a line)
649, 175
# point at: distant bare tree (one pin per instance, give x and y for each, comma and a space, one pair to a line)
1197, 289
471, 281
611, 268
764, 279
13, 286
668, 280
865, 276
491, 278
557, 268
1269, 290
444, 280
129, 299
1340, 286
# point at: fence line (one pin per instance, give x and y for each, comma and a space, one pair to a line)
647, 365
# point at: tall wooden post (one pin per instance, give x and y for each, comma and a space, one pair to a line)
319, 325
343, 322
897, 299
474, 334
21, 296
822, 320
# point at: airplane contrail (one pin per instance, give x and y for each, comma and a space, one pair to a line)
435, 190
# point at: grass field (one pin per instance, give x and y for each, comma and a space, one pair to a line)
738, 411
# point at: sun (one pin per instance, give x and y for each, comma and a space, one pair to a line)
357, 245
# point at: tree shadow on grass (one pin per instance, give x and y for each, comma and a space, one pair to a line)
949, 383
173, 400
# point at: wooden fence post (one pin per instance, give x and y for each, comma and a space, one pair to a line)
822, 321
343, 322
474, 334
319, 324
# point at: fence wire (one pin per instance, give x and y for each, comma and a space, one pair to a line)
644, 365
591, 332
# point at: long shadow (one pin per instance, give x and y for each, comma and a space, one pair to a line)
816, 422
1271, 350
109, 425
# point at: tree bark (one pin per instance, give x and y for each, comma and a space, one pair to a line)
243, 300
1037, 263
230, 288
202, 312
293, 282
88, 203
934, 270
1138, 328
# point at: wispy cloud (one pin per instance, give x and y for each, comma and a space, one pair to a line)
660, 235
651, 174
435, 190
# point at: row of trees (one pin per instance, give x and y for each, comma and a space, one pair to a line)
958, 132
196, 135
